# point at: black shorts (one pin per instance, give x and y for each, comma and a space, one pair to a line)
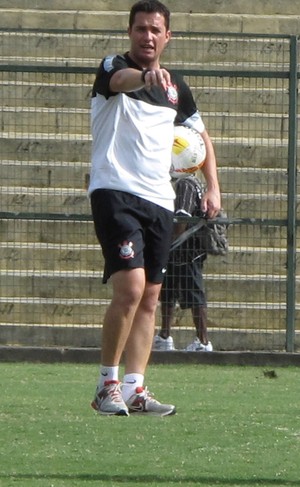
132, 232
184, 284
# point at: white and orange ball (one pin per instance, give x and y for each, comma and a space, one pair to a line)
188, 151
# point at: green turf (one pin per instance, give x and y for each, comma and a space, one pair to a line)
235, 426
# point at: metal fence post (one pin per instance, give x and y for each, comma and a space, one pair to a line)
292, 194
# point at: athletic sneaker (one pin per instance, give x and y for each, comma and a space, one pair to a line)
142, 401
108, 399
197, 346
162, 344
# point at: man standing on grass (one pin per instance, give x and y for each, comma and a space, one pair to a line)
135, 103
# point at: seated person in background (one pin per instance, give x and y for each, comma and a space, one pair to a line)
183, 281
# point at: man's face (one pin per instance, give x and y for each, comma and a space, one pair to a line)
148, 37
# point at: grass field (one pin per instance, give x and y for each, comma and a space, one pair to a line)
235, 426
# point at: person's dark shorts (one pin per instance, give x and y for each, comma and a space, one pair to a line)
184, 284
132, 232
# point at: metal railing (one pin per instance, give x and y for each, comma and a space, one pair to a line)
246, 88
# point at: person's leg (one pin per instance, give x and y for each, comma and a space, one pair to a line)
167, 319
137, 352
195, 298
119, 231
199, 314
168, 298
163, 341
128, 286
139, 343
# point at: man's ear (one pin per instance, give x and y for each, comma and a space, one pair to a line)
168, 37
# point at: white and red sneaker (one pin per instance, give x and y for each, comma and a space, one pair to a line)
142, 401
108, 399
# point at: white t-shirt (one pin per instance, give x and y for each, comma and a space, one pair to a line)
133, 134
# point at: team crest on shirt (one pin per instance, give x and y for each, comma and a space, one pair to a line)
172, 94
126, 250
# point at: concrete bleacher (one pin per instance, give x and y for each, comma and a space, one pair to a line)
51, 270
275, 17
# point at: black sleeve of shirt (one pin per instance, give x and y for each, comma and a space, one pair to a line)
186, 103
108, 66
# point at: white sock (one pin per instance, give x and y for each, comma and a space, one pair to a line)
130, 383
108, 373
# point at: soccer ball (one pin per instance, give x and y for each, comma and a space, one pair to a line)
188, 151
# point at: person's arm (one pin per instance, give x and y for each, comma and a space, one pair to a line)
189, 115
211, 199
130, 79
126, 80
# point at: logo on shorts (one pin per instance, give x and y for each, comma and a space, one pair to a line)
126, 250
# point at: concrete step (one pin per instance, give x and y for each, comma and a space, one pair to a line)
250, 152
39, 85
47, 231
94, 5
50, 257
59, 121
265, 206
210, 98
87, 48
88, 285
69, 232
253, 180
62, 122
45, 200
68, 201
81, 257
88, 312
51, 93
255, 125
36, 174
248, 260
259, 7
43, 284
182, 21
231, 151
66, 337
24, 146
231, 315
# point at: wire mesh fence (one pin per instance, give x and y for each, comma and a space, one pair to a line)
51, 266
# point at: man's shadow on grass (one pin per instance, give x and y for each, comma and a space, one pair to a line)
154, 479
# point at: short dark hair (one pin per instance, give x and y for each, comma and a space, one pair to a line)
149, 6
